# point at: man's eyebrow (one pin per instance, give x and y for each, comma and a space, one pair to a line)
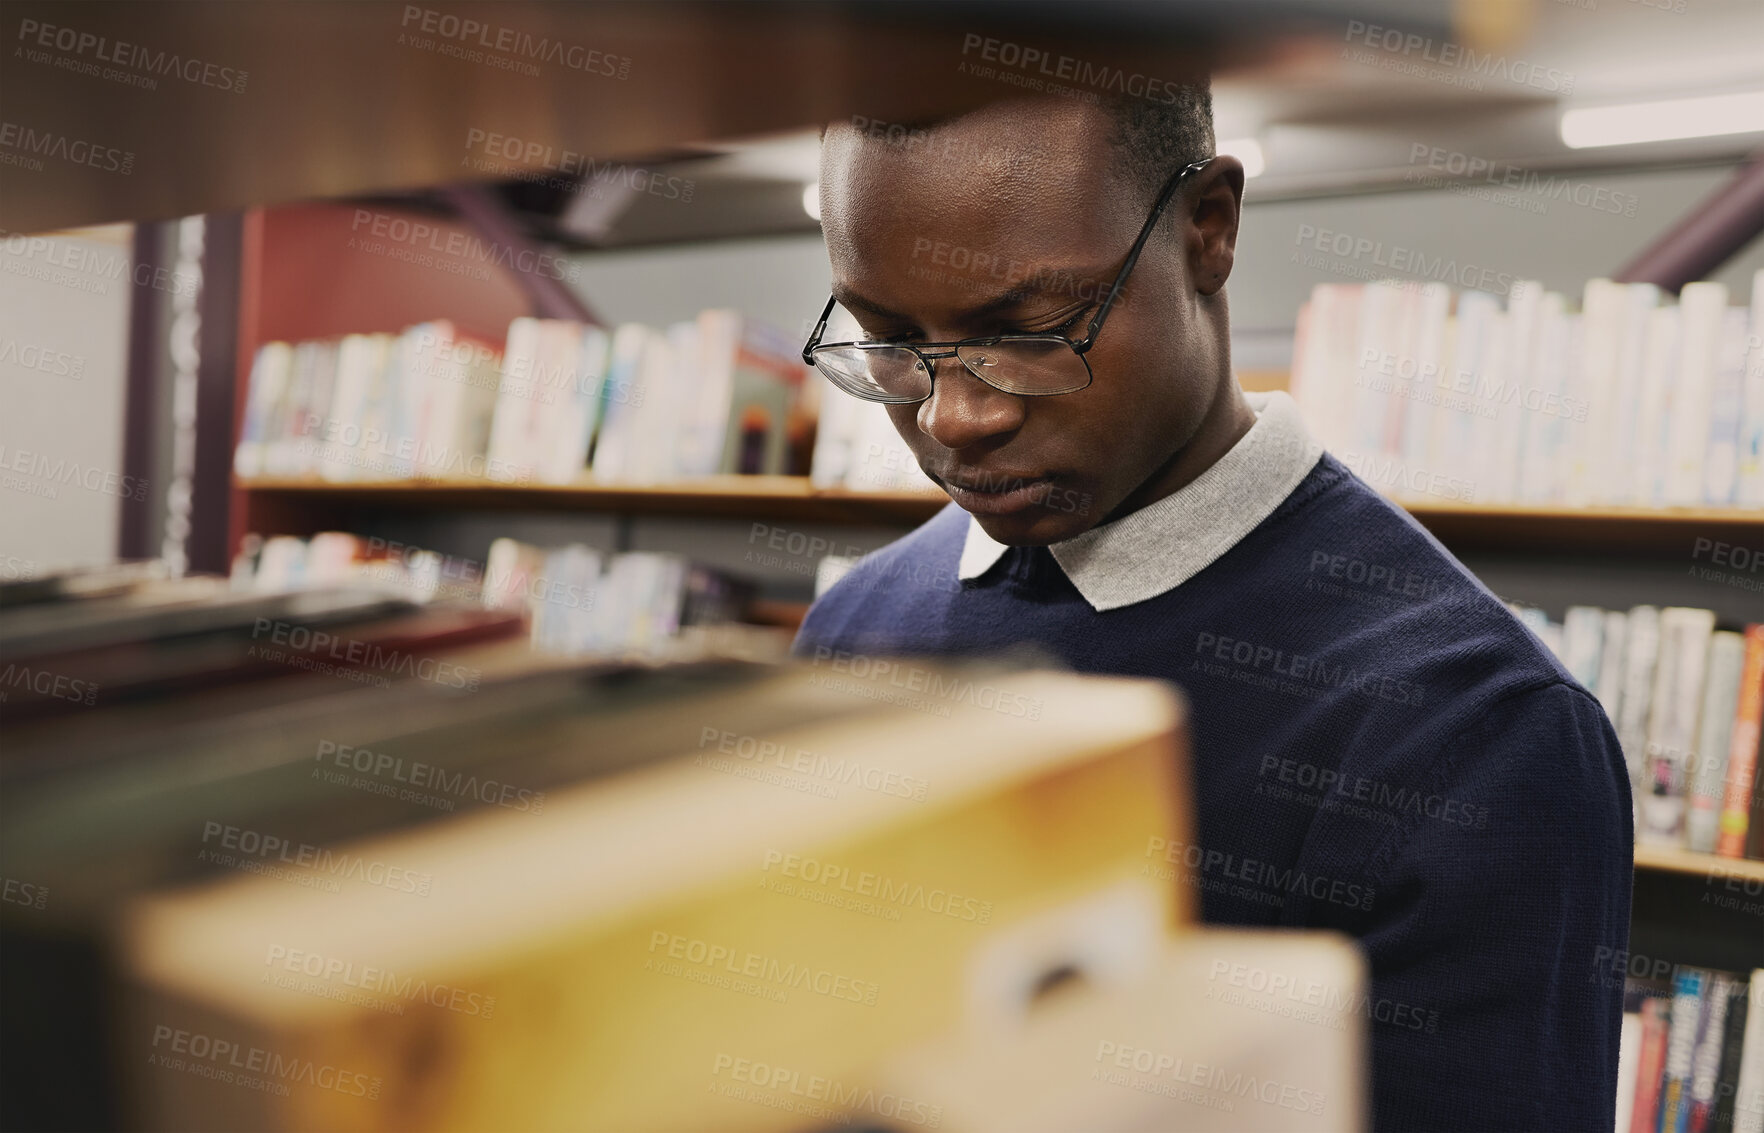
1040, 283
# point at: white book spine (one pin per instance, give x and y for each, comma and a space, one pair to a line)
1672, 722
1615, 641
1749, 489
1640, 660
1726, 407
1660, 356
1701, 307
1708, 770
1748, 1097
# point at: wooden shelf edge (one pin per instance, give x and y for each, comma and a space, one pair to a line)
1711, 867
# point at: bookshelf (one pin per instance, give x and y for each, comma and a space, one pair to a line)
1673, 860
302, 503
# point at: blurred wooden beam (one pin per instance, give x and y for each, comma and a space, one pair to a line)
148, 110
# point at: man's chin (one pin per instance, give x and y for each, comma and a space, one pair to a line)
1036, 527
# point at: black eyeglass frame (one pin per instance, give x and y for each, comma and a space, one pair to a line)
928, 352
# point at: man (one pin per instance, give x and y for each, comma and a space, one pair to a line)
1380, 748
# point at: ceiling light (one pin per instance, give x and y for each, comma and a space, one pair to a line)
1246, 150
1663, 120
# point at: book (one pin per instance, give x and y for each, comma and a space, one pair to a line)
1690, 1001
1614, 641
1583, 630
1629, 1041
1701, 308
1732, 1050
1706, 1064
1742, 752
1639, 662
1748, 1097
1650, 1065
1749, 475
1672, 722
1708, 767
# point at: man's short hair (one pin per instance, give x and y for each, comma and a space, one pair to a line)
1152, 140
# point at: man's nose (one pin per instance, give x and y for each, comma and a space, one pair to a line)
963, 410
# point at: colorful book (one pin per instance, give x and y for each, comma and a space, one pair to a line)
1742, 750
1708, 768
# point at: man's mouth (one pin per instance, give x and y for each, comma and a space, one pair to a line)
996, 493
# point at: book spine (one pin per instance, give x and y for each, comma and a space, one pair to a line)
1704, 792
1742, 752
1707, 1062
1690, 994
1652, 1066
1748, 1096
1732, 1046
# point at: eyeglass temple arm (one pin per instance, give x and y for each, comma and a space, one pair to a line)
1151, 222
820, 329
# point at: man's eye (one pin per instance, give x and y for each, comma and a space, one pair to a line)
1060, 328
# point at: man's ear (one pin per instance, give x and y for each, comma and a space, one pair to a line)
1212, 225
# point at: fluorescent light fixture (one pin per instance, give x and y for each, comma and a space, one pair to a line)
1664, 120
811, 199
1246, 150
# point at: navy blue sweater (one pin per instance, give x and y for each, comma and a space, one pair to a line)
1368, 718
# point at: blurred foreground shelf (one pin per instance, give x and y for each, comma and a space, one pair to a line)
300, 506
1671, 859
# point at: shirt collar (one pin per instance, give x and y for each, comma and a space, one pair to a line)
1162, 545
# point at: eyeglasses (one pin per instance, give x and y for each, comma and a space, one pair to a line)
1028, 365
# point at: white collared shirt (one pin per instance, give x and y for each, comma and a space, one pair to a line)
1164, 544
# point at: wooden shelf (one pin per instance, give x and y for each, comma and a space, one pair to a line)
1670, 859
791, 498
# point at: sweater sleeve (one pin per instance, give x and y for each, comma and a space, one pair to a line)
1499, 939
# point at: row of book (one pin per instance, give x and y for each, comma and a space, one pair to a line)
1687, 701
1630, 400
720, 394
483, 889
578, 602
1692, 1053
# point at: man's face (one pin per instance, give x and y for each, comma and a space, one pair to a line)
1013, 219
